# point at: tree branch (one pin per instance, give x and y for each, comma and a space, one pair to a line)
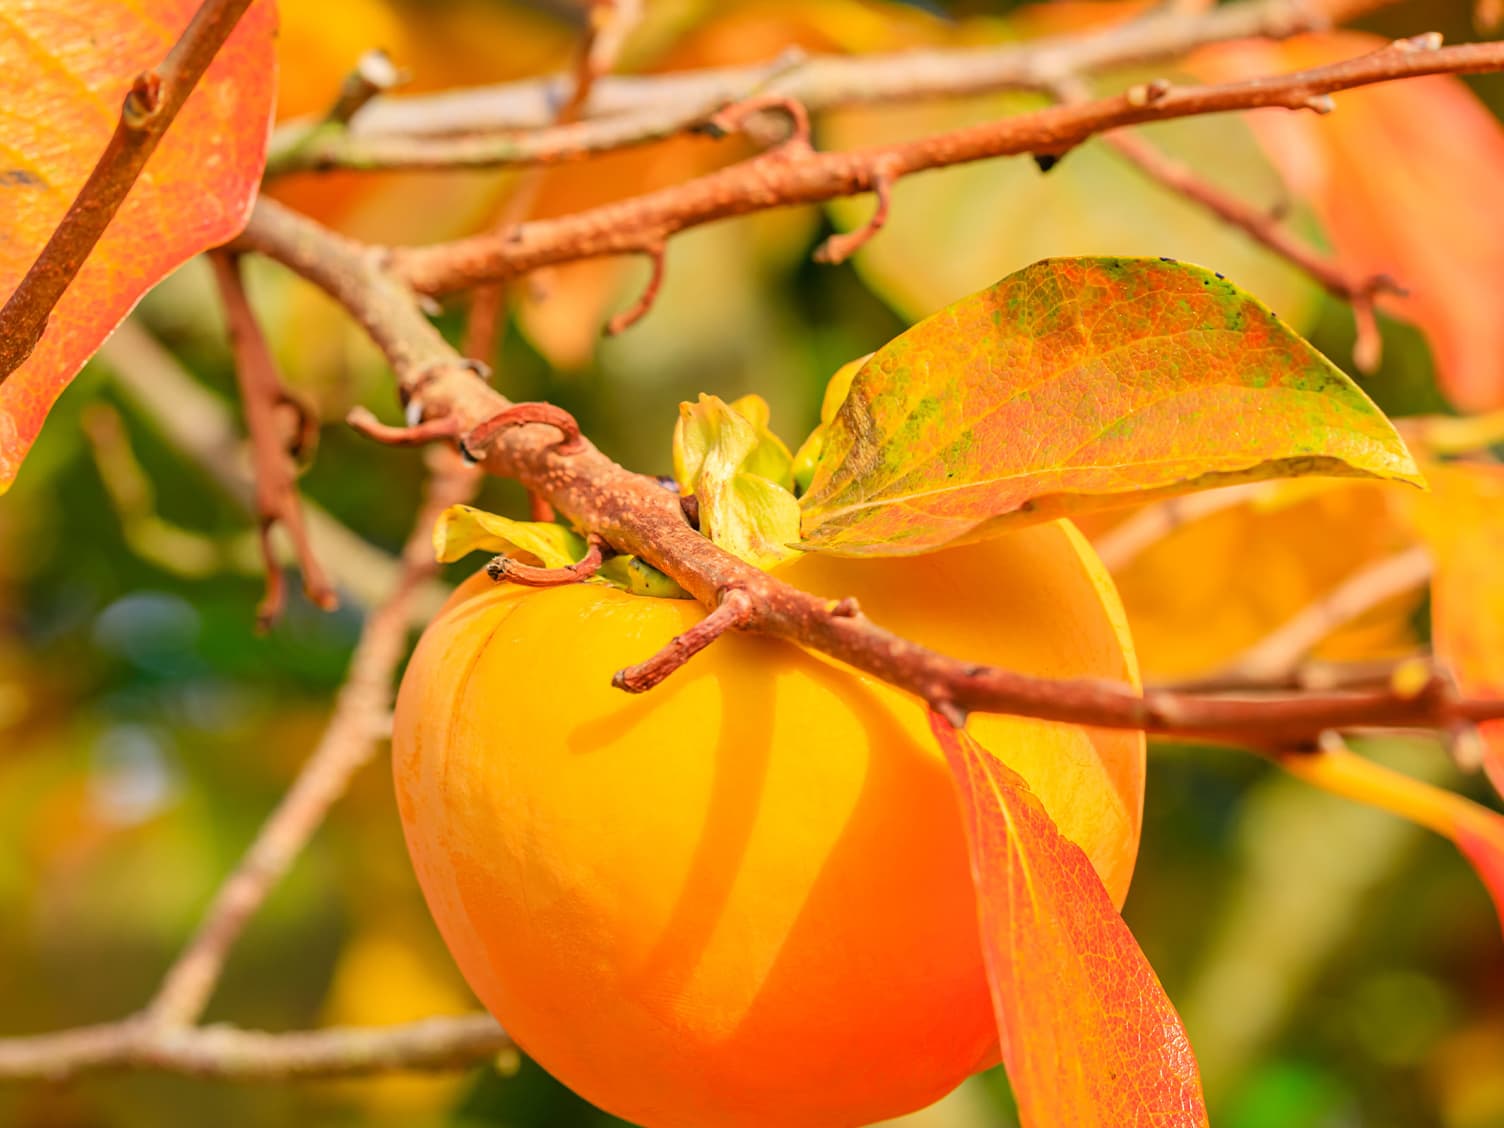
232, 1054
1263, 227
787, 176
634, 514
151, 104
643, 105
265, 400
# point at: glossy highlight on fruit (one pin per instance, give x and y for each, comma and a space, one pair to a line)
744, 897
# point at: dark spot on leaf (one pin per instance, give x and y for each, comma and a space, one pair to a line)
1163, 258
1221, 277
19, 178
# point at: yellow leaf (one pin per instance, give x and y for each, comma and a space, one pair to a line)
463, 529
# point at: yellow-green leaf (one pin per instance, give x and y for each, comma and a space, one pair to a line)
1078, 384
463, 529
737, 469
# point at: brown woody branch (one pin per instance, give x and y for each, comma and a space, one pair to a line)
152, 102
634, 514
481, 127
504, 568
787, 175
233, 1054
274, 446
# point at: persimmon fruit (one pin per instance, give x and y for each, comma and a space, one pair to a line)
744, 897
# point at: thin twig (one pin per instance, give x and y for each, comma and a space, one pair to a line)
264, 399
363, 421
839, 248
733, 612
787, 176
635, 312
504, 568
153, 101
374, 74
347, 744
1359, 291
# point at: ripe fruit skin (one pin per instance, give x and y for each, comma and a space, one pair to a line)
744, 897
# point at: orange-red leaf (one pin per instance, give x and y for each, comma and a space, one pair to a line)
1462, 522
1088, 1036
1404, 178
1076, 384
64, 71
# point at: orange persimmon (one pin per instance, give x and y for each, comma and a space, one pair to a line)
743, 898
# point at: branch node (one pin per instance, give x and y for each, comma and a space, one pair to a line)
1147, 93
838, 248
473, 444
733, 612
504, 568
639, 309
1320, 103
374, 74
142, 102
846, 608
1415, 44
